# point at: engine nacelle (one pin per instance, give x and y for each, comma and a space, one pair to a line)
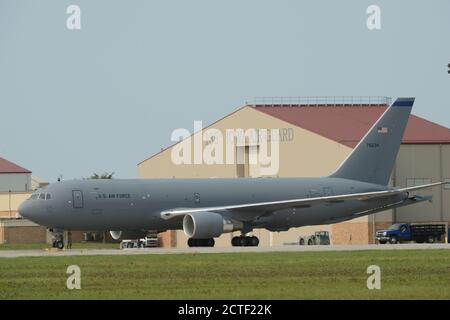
133, 234
204, 225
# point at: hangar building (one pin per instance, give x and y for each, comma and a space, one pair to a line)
16, 185
315, 135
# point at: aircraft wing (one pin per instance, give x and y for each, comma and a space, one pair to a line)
295, 203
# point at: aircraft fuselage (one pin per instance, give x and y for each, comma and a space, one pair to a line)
137, 204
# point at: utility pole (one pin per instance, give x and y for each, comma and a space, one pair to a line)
10, 212
448, 68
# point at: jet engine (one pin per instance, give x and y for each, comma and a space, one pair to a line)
128, 234
205, 225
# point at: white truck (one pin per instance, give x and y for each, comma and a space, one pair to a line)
147, 242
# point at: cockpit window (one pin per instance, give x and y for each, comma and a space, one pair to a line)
41, 196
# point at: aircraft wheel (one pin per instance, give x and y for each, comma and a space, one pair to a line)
242, 241
201, 242
254, 241
210, 242
59, 245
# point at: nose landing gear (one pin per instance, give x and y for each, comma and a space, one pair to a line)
58, 244
245, 241
57, 238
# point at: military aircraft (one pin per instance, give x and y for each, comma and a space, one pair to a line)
207, 208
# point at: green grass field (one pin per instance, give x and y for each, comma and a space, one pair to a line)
79, 245
421, 274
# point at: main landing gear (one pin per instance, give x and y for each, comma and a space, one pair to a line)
201, 242
245, 241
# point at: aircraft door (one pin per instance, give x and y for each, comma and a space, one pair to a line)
77, 197
196, 197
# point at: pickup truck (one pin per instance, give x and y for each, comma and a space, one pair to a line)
420, 233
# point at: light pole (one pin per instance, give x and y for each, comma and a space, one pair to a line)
10, 213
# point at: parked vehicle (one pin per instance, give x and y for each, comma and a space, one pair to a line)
318, 238
403, 232
139, 243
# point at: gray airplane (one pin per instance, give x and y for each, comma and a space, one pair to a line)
207, 208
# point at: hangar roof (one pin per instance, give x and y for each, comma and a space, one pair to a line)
348, 124
344, 123
9, 167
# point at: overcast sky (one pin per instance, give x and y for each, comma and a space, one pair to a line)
107, 96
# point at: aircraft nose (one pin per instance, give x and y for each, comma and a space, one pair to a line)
25, 209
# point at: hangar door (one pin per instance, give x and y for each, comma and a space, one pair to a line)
77, 196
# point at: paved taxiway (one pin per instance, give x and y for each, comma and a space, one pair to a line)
286, 248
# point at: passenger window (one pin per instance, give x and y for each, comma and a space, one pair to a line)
48, 196
42, 196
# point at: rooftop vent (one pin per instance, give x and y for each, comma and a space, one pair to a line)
322, 101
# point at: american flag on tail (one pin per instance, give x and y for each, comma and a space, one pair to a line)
383, 130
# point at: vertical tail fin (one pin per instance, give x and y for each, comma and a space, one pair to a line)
373, 158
